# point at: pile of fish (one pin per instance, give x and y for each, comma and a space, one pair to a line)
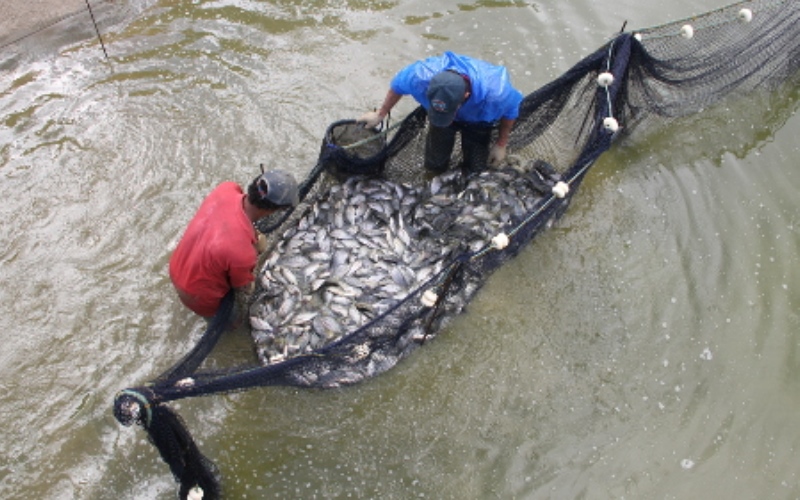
366, 244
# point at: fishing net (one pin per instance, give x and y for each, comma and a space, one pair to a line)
378, 256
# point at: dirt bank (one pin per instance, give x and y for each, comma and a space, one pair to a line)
19, 18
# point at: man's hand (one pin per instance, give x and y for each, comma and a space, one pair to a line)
370, 119
496, 155
261, 244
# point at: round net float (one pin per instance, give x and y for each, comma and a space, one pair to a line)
687, 31
611, 124
561, 189
195, 493
500, 241
185, 383
746, 15
429, 298
605, 79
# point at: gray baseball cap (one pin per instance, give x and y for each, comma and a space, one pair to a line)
278, 187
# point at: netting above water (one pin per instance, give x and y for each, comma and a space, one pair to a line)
378, 257
323, 283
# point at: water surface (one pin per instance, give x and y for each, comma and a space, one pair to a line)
645, 347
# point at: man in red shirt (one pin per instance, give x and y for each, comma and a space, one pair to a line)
218, 250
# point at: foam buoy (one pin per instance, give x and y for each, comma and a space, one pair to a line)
746, 15
500, 241
605, 79
611, 124
185, 383
561, 189
429, 298
687, 31
195, 493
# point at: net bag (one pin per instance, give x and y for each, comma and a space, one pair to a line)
351, 149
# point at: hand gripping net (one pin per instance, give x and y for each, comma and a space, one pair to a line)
636, 83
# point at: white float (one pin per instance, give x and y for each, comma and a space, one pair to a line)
605, 79
611, 124
195, 493
429, 298
746, 15
500, 241
561, 189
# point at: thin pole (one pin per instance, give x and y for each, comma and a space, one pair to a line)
96, 29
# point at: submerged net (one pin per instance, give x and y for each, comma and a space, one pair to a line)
377, 258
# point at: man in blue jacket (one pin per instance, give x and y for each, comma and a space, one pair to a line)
461, 94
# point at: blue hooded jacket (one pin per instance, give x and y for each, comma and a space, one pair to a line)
492, 96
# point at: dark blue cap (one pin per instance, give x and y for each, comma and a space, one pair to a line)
445, 94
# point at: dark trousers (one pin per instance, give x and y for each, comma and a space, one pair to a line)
475, 139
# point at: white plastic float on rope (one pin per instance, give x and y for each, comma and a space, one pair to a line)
185, 383
196, 493
561, 189
500, 241
687, 31
605, 79
746, 15
611, 124
429, 298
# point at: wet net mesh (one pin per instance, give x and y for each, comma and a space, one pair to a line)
430, 243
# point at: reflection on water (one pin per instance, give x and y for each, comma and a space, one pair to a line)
645, 347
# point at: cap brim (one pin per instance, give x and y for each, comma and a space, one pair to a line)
441, 120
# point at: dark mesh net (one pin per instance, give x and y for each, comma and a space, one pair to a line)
379, 256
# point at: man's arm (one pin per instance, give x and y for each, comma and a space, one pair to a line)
498, 151
505, 131
372, 119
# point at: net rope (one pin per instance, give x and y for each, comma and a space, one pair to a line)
636, 83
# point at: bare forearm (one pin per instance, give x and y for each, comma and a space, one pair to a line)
505, 131
391, 99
